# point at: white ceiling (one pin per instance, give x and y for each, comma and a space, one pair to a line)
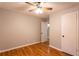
23, 7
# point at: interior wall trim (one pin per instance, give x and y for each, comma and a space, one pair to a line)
55, 48
60, 50
1, 51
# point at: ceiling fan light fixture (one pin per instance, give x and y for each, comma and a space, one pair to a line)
38, 11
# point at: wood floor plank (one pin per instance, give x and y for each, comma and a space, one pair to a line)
40, 49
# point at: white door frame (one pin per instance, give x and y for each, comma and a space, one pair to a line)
42, 32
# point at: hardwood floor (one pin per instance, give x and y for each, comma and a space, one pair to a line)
40, 49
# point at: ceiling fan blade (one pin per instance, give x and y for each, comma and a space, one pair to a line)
30, 3
30, 10
38, 3
34, 3
47, 9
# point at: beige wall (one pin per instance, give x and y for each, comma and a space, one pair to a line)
55, 30
17, 29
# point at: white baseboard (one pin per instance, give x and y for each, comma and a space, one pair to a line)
43, 41
18, 47
59, 49
55, 48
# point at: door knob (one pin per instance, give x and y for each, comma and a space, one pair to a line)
62, 35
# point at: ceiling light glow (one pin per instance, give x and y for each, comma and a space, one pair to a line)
38, 11
48, 25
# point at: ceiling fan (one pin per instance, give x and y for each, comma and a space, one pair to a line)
38, 6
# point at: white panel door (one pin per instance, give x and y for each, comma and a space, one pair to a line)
69, 32
44, 34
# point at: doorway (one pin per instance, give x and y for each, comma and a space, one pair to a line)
45, 31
